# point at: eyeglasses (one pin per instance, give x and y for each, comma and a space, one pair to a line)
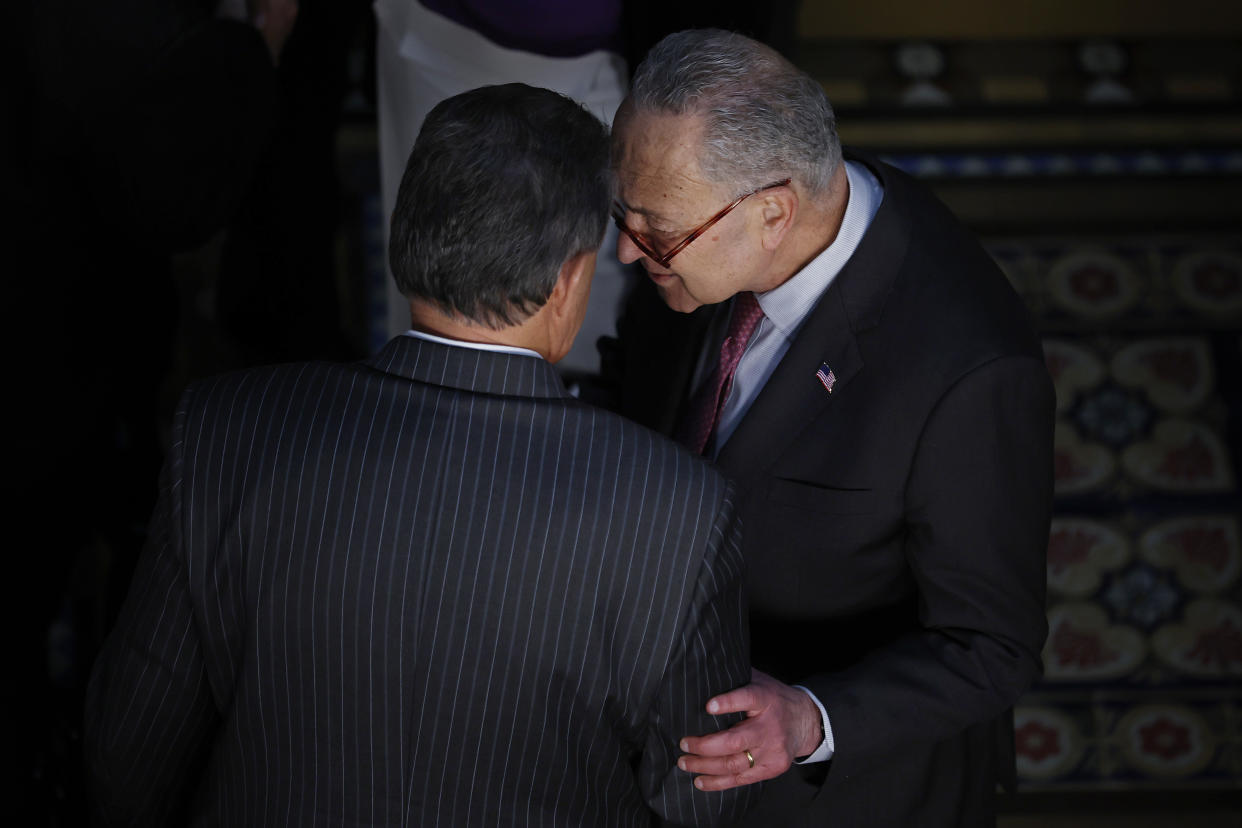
644, 244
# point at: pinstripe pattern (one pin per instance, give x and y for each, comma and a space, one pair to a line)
429, 589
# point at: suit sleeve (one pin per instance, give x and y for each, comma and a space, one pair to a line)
977, 511
712, 657
150, 714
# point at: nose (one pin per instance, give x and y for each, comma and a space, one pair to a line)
627, 251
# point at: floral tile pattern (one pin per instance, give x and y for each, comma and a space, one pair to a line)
1127, 741
1169, 284
1142, 686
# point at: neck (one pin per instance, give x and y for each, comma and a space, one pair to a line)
428, 318
817, 226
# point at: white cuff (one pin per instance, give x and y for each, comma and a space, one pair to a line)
826, 748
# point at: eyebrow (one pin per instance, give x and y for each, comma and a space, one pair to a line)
649, 215
630, 208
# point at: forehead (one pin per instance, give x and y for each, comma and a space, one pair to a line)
657, 167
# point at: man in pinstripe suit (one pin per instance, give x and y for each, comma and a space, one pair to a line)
431, 588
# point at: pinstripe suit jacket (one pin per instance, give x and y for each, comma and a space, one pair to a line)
427, 589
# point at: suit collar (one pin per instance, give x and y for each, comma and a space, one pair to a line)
787, 305
867, 279
468, 369
793, 396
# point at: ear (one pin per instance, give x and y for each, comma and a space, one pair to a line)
573, 271
566, 305
777, 210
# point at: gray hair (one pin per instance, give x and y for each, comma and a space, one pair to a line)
504, 185
764, 118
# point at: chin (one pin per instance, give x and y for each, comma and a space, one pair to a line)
677, 299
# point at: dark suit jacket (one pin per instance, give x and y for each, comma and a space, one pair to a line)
897, 527
429, 589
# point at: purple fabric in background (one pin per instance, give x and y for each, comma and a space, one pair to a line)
556, 28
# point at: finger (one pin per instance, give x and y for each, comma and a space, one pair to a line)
741, 700
735, 764
766, 767
724, 782
734, 740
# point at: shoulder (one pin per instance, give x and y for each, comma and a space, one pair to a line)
251, 380
635, 450
949, 300
257, 392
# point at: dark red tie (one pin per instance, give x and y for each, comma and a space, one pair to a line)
703, 409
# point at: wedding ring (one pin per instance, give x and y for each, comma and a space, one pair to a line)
750, 758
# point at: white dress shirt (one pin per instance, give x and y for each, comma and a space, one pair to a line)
785, 308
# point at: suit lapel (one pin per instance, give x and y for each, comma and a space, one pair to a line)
793, 396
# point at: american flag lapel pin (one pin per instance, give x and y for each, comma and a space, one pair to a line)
825, 376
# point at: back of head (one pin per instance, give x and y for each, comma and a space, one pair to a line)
504, 184
764, 119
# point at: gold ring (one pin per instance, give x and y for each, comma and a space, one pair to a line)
750, 758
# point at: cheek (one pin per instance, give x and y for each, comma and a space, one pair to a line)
703, 287
710, 281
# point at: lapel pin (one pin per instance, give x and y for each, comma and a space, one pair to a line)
825, 376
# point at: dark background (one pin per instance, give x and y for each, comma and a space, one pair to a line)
179, 206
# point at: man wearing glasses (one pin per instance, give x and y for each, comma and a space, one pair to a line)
857, 364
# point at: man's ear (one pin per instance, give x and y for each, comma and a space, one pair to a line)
777, 210
566, 305
573, 271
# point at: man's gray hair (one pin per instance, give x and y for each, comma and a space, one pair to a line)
504, 185
764, 118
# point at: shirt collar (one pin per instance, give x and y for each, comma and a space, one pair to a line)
789, 303
478, 346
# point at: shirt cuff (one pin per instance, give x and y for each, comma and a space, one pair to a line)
827, 747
